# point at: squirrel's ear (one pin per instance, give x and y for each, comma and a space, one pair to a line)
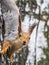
31, 28
19, 28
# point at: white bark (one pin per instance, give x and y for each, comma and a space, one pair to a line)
11, 17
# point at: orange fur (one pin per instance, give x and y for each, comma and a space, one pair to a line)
17, 44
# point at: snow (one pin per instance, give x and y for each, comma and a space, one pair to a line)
48, 23
37, 10
0, 9
45, 29
27, 8
41, 40
25, 24
43, 6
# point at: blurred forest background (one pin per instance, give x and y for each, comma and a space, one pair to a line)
39, 10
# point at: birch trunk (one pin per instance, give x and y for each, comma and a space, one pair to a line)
11, 17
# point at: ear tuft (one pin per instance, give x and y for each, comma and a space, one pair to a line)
31, 28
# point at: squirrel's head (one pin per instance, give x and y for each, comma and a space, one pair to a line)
25, 36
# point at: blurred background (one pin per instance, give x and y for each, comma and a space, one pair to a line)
37, 52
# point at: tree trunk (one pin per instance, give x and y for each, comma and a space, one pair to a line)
11, 17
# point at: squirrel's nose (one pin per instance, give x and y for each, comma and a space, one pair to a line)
24, 42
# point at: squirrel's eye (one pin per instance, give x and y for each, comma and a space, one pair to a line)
29, 37
19, 35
